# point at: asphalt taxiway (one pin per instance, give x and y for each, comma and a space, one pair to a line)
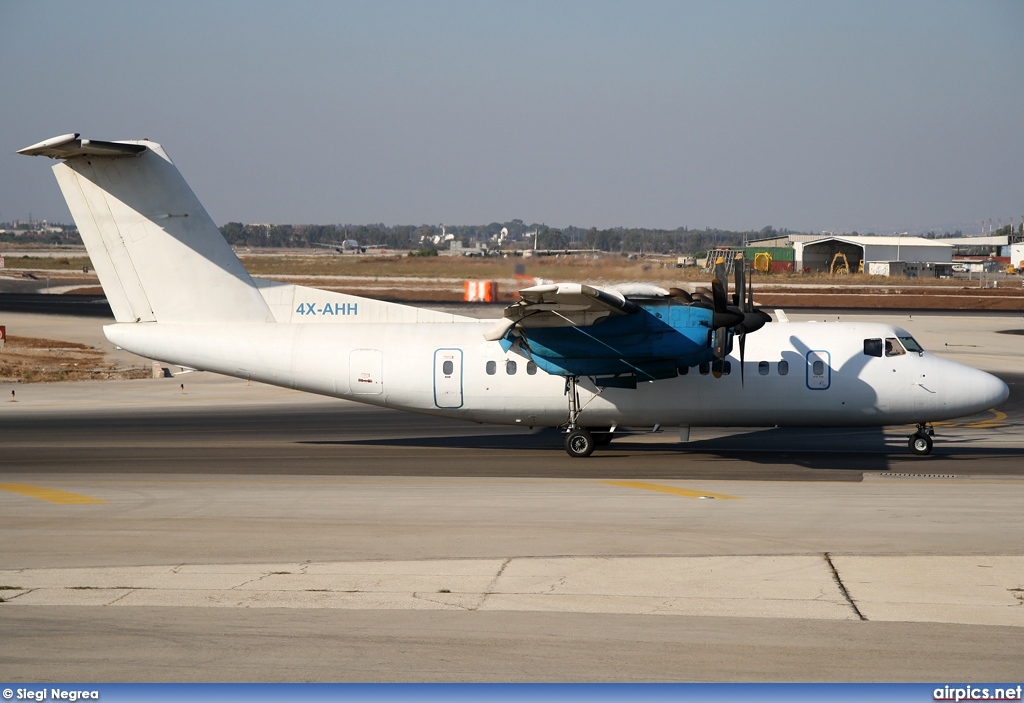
243, 532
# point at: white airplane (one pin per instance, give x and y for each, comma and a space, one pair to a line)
585, 359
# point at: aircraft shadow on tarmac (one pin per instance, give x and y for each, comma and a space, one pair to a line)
849, 449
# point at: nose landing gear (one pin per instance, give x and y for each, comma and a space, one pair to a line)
920, 442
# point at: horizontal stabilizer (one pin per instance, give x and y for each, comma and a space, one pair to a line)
69, 145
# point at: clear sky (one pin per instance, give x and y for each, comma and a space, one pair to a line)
869, 115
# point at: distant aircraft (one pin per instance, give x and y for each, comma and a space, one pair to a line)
585, 359
341, 247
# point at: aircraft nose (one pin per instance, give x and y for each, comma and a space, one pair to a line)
995, 388
986, 390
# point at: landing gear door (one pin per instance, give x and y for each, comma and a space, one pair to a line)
819, 370
448, 378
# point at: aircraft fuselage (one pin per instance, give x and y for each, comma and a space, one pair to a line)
796, 374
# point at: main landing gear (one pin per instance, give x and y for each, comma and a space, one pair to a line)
579, 443
920, 442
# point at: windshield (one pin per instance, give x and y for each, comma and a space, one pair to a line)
910, 344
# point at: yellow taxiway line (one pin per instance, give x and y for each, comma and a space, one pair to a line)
997, 421
50, 495
685, 492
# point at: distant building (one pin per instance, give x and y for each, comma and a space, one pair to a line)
455, 248
817, 255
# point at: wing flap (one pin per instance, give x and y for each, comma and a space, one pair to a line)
563, 305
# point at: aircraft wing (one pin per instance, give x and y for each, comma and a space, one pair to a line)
562, 305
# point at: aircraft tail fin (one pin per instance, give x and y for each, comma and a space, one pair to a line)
158, 254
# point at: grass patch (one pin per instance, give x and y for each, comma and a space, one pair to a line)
601, 268
36, 359
49, 263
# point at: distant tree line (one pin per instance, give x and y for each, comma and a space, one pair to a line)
53, 233
682, 240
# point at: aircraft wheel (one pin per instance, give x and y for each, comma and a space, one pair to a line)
579, 443
602, 437
920, 444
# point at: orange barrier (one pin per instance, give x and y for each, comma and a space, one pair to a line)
480, 291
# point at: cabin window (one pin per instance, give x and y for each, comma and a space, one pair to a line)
763, 368
893, 347
531, 368
873, 347
783, 367
911, 345
704, 368
510, 368
818, 368
447, 368
492, 368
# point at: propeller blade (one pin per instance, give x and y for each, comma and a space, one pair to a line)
717, 368
740, 271
719, 342
720, 293
750, 294
720, 285
743, 353
741, 317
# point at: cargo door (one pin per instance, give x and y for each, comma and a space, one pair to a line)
366, 372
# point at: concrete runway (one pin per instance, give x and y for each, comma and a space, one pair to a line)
241, 532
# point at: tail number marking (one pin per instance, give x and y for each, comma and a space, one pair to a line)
331, 309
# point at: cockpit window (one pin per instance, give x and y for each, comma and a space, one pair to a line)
893, 347
873, 347
911, 345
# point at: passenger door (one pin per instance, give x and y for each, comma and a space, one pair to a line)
448, 378
819, 371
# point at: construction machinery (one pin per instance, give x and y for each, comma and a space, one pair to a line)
840, 266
